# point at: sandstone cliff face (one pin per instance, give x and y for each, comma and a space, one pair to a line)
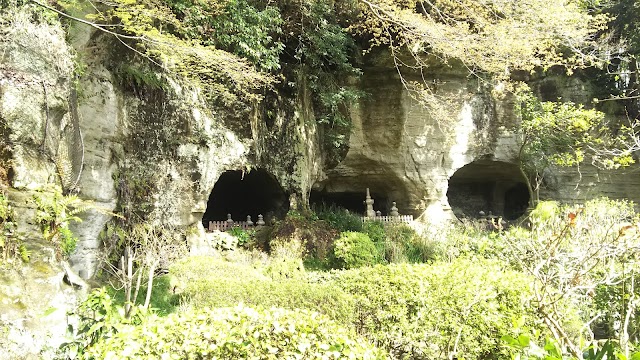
415, 155
158, 152
155, 153
406, 152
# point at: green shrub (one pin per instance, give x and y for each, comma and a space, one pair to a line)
317, 236
404, 244
209, 282
420, 311
354, 250
375, 230
244, 236
98, 318
438, 311
236, 333
340, 219
286, 259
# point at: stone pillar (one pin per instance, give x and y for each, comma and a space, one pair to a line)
369, 202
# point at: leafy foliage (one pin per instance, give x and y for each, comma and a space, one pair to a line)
99, 318
54, 213
564, 134
339, 218
428, 311
571, 251
528, 349
438, 311
316, 235
237, 333
355, 250
207, 282
244, 236
496, 37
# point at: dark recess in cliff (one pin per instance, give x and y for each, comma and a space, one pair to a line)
488, 186
242, 193
352, 201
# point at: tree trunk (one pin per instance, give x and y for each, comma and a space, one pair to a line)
127, 263
152, 270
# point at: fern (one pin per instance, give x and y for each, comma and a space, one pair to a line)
54, 213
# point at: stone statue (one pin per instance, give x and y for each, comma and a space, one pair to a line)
249, 222
229, 219
260, 221
369, 202
394, 210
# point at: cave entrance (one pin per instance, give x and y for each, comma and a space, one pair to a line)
350, 200
240, 194
488, 186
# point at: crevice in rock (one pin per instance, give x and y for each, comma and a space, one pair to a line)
242, 193
488, 186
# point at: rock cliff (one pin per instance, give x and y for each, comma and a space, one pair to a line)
69, 117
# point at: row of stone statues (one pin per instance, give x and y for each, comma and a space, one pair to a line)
371, 213
260, 221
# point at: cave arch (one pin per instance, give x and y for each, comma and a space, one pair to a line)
242, 193
488, 186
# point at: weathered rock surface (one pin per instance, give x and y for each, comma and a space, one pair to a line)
156, 153
406, 152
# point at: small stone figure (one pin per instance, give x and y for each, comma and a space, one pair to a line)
482, 213
394, 210
249, 222
378, 213
369, 202
229, 219
260, 221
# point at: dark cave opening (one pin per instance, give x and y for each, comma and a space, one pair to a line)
350, 200
240, 194
488, 186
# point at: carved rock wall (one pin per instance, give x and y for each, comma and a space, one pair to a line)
407, 151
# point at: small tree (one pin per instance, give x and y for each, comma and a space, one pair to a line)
565, 134
146, 249
573, 251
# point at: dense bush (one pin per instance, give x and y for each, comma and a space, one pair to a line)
244, 236
286, 259
354, 250
339, 218
425, 311
445, 310
236, 333
208, 282
403, 244
317, 236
